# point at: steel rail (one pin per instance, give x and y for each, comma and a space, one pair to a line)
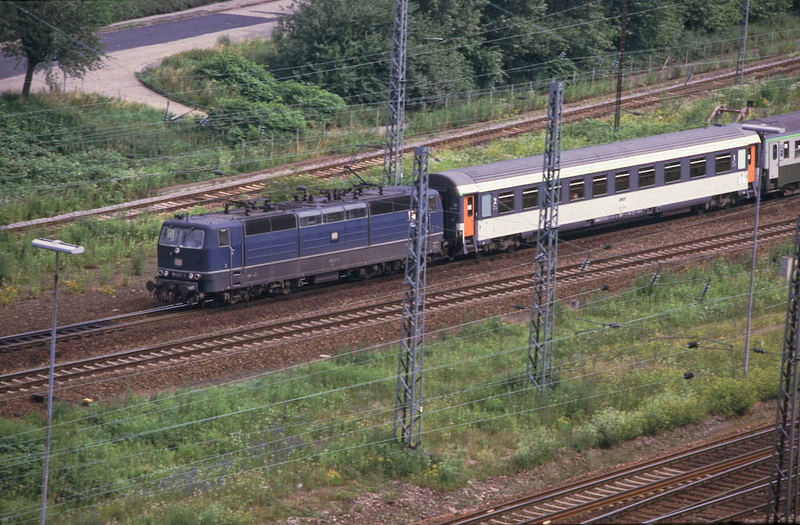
87, 328
564, 500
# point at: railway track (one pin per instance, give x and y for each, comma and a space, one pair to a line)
724, 479
115, 323
253, 184
260, 336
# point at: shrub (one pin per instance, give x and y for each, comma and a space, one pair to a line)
238, 119
730, 397
584, 437
669, 410
614, 426
535, 447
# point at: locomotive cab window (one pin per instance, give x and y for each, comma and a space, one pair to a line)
722, 163
599, 185
224, 238
431, 204
697, 167
622, 181
505, 202
576, 190
530, 198
181, 237
647, 177
672, 171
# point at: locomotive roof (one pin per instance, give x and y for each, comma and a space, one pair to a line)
317, 204
593, 159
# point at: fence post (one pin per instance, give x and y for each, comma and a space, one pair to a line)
297, 140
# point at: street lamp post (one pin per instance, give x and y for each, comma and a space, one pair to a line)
71, 249
761, 130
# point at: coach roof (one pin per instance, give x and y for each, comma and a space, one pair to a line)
593, 159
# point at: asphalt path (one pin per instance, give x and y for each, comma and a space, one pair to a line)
143, 45
160, 33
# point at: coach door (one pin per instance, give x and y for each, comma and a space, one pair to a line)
469, 216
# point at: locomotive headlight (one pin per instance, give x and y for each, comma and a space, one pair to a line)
197, 277
166, 273
160, 273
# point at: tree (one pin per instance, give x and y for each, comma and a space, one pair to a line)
47, 32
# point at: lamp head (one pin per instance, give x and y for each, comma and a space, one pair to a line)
57, 246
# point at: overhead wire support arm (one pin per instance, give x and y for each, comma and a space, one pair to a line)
540, 337
396, 102
782, 494
408, 393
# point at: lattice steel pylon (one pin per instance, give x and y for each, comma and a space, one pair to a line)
742, 42
540, 338
396, 102
620, 64
408, 394
782, 493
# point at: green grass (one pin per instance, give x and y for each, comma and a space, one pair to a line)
328, 425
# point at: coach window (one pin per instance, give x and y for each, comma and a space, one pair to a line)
334, 216
774, 152
622, 181
785, 149
505, 202
672, 171
697, 167
530, 198
796, 148
486, 205
599, 185
224, 238
647, 177
576, 192
722, 163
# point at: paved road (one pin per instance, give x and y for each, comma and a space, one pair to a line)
132, 49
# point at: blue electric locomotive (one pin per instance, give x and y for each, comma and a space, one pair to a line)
258, 248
